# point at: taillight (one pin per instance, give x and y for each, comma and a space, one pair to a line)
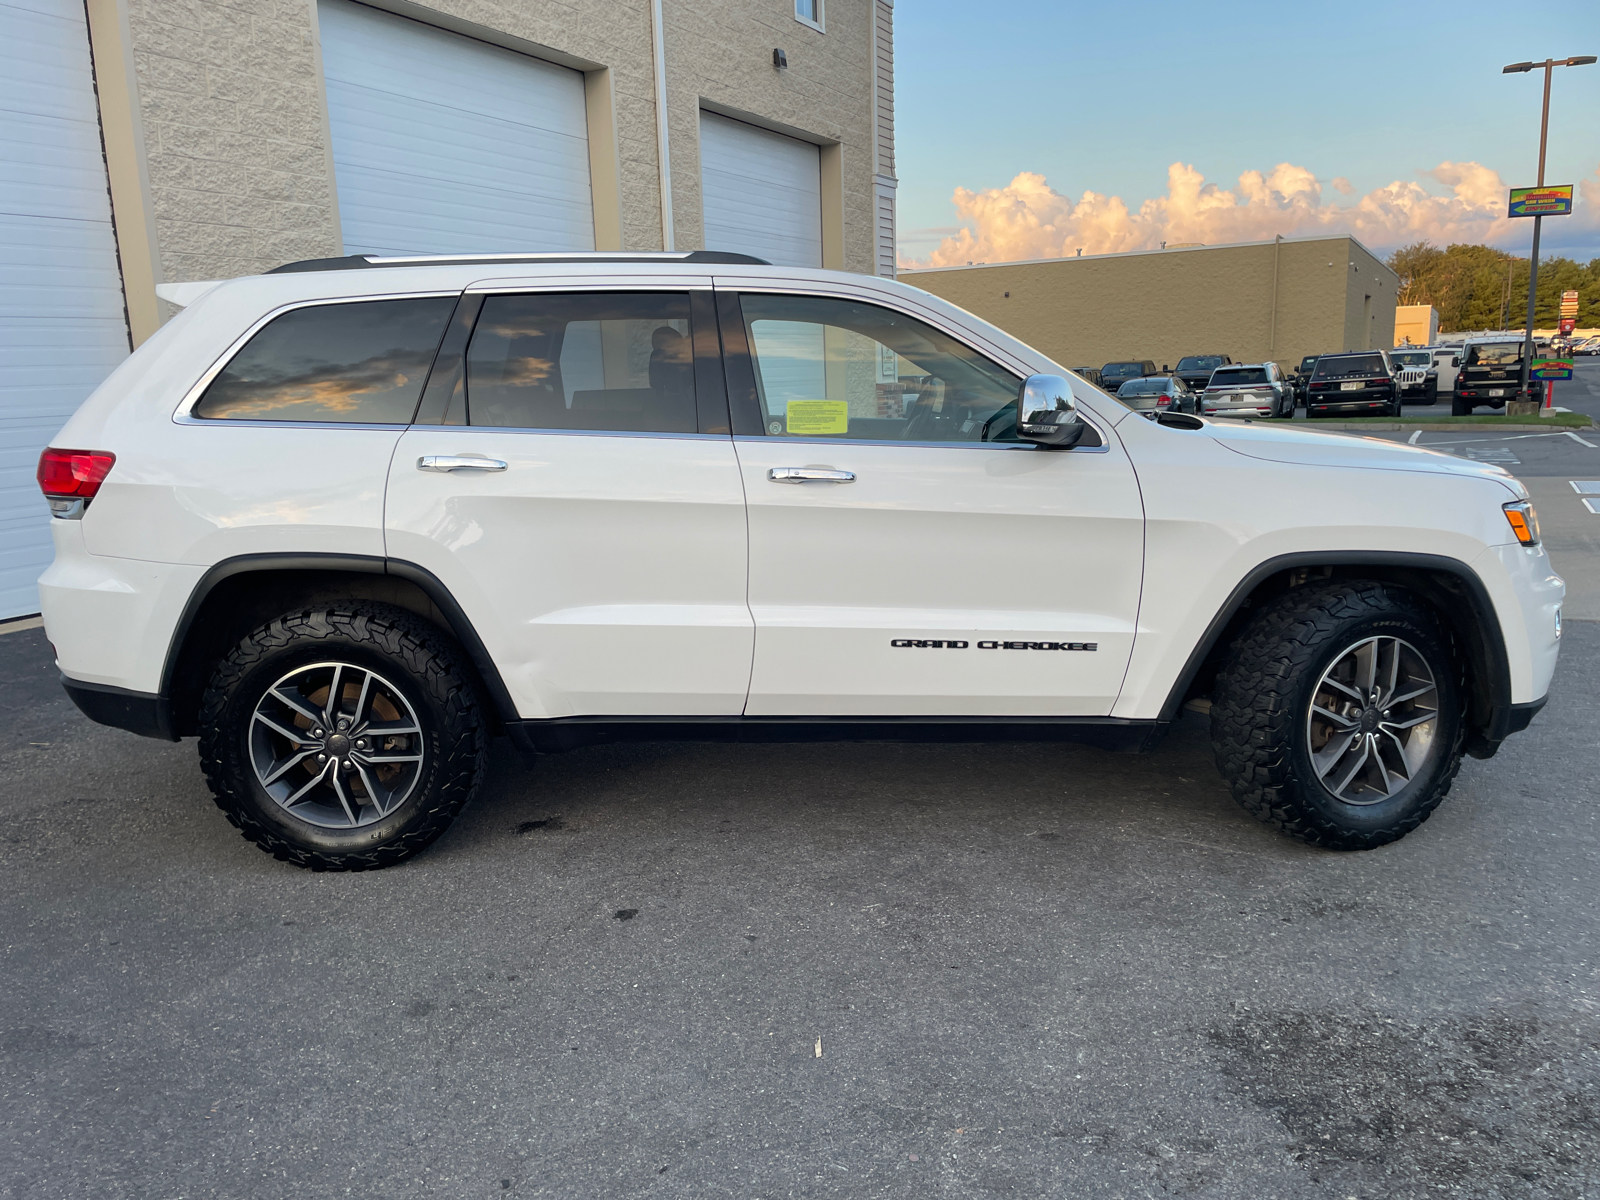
70, 479
1163, 401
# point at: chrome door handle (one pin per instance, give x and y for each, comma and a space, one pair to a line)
809, 475
458, 462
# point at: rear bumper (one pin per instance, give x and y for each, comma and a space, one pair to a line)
143, 713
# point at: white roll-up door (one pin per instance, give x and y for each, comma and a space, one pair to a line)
447, 145
762, 192
62, 322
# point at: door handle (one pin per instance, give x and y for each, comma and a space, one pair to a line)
458, 462
809, 475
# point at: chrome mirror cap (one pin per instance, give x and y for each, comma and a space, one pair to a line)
1047, 414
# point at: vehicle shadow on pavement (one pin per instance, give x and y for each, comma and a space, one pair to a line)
852, 970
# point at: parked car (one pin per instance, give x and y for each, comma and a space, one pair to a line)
1195, 369
346, 522
1157, 394
1088, 374
1301, 378
1114, 374
1248, 390
1360, 383
1415, 375
1491, 373
1587, 346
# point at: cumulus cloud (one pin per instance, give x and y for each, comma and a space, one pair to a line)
1028, 218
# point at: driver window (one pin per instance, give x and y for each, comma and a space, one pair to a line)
837, 368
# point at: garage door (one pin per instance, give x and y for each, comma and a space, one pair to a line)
62, 326
762, 192
446, 145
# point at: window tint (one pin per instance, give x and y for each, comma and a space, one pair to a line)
1238, 376
1151, 386
601, 361
1200, 362
362, 363
837, 368
1334, 366
1493, 354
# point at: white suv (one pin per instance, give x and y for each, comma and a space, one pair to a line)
348, 520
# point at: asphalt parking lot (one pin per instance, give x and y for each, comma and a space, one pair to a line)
875, 971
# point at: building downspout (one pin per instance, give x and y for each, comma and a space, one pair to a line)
1272, 332
663, 157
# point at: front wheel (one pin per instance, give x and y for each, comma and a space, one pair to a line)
1337, 715
344, 737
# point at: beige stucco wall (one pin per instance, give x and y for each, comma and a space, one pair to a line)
228, 106
1164, 304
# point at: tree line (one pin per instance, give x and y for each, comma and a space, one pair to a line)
1479, 287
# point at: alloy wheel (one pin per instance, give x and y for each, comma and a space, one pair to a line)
1373, 720
336, 745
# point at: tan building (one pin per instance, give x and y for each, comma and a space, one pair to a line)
159, 141
1416, 325
1255, 302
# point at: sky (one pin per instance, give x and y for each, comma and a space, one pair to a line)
1027, 129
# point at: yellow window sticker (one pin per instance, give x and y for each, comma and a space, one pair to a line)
807, 417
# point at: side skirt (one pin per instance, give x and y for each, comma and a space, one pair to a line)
552, 735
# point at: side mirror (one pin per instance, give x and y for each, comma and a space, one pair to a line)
1455, 361
1046, 412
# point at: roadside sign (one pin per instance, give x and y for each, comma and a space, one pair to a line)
1569, 304
1568, 324
1554, 200
1548, 369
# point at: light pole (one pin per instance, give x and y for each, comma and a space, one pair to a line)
1549, 65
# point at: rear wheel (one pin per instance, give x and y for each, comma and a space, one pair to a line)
1459, 407
342, 738
1337, 715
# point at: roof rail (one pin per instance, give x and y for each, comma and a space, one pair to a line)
356, 262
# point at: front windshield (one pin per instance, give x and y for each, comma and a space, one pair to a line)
1238, 376
1412, 358
1123, 368
1494, 354
1308, 362
1200, 362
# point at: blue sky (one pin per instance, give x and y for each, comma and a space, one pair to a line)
1105, 97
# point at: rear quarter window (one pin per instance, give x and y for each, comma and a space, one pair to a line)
358, 363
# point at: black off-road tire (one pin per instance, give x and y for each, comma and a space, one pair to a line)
1261, 701
410, 653
1459, 407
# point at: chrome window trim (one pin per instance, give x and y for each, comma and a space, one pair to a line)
183, 414
756, 440
612, 433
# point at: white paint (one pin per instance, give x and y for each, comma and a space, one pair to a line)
1412, 440
443, 144
1579, 440
62, 323
608, 573
761, 192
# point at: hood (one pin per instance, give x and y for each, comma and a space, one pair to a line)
1305, 447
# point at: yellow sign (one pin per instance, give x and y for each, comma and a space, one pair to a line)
807, 417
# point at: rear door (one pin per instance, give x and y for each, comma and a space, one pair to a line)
908, 556
572, 481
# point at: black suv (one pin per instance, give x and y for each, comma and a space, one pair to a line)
1195, 369
1302, 378
1360, 383
1491, 371
1114, 374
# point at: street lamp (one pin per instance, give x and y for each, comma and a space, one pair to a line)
1522, 68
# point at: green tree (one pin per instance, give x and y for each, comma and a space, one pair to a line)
1480, 287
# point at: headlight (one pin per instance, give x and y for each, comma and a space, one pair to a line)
1524, 521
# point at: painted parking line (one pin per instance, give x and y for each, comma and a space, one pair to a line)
1580, 440
1586, 487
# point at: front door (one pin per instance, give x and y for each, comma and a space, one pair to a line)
908, 556
599, 549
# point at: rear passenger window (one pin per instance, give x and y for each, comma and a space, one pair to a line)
598, 361
360, 363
